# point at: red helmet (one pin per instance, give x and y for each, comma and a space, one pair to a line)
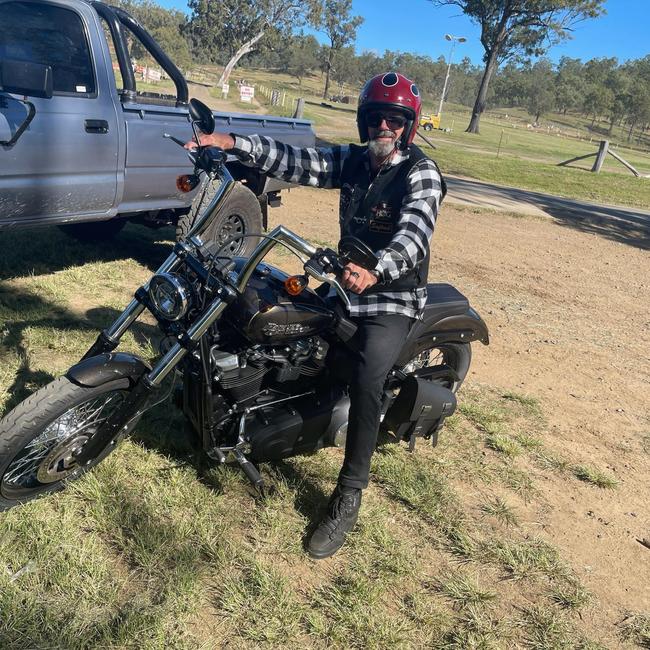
390, 90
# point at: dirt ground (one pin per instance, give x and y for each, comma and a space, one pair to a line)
569, 323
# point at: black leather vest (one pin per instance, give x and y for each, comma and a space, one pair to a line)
370, 210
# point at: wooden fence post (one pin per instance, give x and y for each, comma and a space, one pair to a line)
600, 156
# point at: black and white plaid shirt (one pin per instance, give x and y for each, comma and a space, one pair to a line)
322, 168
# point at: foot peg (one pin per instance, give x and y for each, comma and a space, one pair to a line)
250, 470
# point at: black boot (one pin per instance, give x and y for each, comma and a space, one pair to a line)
342, 513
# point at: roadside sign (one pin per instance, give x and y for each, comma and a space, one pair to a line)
153, 75
246, 93
224, 89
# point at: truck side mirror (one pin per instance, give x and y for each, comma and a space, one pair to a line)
202, 116
26, 78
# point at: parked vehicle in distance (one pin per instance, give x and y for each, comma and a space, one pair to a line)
85, 151
430, 122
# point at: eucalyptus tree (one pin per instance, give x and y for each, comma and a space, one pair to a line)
229, 29
333, 17
511, 28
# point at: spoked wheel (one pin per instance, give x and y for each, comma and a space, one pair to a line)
457, 356
42, 437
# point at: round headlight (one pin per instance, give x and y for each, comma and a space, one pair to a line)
170, 296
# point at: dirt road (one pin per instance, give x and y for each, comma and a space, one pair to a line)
568, 312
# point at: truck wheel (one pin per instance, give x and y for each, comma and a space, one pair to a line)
240, 215
98, 231
428, 127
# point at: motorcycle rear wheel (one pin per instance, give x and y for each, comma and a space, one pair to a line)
40, 438
457, 356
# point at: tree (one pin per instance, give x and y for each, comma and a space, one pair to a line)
333, 18
569, 84
540, 98
235, 27
345, 69
165, 25
300, 57
515, 27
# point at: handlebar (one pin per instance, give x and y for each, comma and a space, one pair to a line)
317, 270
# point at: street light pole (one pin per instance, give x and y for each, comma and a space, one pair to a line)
454, 40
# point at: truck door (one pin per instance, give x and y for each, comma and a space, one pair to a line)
66, 162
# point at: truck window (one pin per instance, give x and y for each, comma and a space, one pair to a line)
49, 35
141, 60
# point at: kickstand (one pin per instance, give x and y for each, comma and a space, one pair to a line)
251, 472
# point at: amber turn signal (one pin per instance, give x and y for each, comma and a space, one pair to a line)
187, 182
294, 284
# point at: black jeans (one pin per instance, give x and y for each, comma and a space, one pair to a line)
380, 340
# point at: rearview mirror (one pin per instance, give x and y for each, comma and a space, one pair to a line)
202, 115
357, 252
26, 78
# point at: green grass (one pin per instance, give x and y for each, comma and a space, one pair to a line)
464, 591
595, 476
501, 511
503, 444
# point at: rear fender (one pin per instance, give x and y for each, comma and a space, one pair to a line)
457, 328
109, 367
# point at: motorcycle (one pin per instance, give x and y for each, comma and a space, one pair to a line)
263, 359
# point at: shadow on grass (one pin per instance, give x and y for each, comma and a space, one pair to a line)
42, 251
22, 310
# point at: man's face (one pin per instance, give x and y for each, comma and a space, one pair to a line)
384, 130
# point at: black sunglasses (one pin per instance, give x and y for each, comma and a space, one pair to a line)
374, 120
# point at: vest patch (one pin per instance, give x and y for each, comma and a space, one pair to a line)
381, 219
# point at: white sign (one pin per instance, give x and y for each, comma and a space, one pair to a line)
246, 93
153, 75
224, 89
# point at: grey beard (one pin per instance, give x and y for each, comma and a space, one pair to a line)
381, 149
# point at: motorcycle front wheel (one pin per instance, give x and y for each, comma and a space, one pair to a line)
457, 356
41, 438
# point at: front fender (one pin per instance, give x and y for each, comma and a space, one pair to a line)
108, 367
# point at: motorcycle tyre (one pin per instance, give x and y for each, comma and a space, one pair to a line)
242, 208
456, 355
30, 418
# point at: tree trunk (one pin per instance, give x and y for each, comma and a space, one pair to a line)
327, 72
479, 104
629, 134
247, 47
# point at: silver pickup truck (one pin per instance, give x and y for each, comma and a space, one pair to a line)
82, 148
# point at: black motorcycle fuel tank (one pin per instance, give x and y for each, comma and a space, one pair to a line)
266, 313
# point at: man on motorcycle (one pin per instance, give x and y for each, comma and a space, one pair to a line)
390, 196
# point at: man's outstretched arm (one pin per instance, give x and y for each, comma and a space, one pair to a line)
300, 165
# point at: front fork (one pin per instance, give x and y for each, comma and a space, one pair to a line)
110, 338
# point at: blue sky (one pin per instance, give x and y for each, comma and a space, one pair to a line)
624, 32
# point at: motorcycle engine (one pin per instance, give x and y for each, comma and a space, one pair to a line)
240, 376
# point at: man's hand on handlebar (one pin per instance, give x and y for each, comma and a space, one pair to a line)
356, 278
222, 140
